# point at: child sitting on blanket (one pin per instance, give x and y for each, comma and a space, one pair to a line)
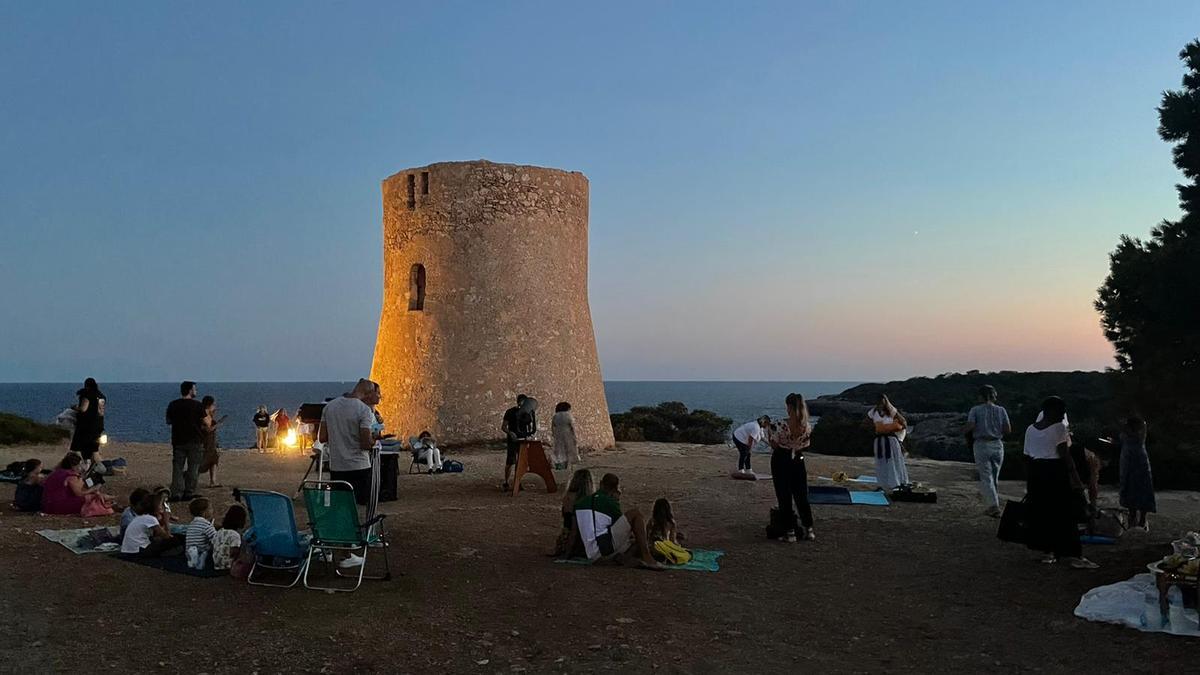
200, 533
662, 523
228, 542
28, 496
130, 512
165, 492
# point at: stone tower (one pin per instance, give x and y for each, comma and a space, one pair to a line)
484, 297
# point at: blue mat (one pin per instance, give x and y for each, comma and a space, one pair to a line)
702, 561
869, 498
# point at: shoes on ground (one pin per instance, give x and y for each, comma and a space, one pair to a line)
790, 537
351, 561
1083, 564
1049, 560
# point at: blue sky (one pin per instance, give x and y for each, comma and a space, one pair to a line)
778, 190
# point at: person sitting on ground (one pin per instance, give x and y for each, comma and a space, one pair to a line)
562, 431
63, 491
201, 535
28, 496
662, 523
130, 512
568, 544
227, 543
608, 533
745, 436
166, 495
430, 453
149, 535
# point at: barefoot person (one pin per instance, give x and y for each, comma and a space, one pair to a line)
890, 429
346, 429
788, 440
607, 532
186, 417
1054, 486
987, 423
212, 455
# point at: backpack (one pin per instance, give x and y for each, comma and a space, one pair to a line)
452, 466
672, 553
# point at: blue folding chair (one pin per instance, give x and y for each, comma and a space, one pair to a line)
278, 545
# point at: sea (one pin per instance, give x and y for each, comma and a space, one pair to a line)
134, 411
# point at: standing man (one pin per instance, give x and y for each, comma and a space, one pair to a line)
346, 429
518, 425
986, 425
186, 416
745, 437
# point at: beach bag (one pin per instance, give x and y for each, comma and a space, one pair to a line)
94, 505
1014, 522
776, 525
240, 569
452, 466
671, 552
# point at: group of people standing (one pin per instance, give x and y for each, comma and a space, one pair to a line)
193, 441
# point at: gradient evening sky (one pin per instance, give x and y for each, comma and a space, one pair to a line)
790, 191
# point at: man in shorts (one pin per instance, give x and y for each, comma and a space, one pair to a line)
607, 532
513, 435
346, 429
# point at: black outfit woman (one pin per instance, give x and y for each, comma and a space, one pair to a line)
789, 474
89, 420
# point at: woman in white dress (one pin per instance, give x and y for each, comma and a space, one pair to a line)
890, 429
562, 432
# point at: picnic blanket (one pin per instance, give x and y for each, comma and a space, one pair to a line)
85, 539
832, 494
702, 561
176, 564
1124, 603
94, 539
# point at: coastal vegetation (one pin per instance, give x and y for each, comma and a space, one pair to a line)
15, 429
670, 422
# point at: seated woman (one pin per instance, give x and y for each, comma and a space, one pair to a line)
63, 491
149, 535
29, 491
662, 523
429, 452
569, 544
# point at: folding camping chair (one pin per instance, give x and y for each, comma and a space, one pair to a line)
417, 446
278, 545
318, 459
333, 517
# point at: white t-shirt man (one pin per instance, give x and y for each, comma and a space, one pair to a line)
1043, 443
749, 433
343, 418
138, 534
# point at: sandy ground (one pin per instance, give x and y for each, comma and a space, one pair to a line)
905, 588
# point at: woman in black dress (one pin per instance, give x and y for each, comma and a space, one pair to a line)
89, 425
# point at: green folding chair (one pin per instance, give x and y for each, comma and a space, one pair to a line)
333, 519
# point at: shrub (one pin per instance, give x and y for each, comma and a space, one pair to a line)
15, 430
670, 422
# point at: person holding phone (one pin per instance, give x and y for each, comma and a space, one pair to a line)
209, 425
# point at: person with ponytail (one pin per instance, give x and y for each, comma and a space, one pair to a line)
789, 475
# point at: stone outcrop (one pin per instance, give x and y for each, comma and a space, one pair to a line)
485, 297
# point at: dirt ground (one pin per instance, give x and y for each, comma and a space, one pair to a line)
904, 588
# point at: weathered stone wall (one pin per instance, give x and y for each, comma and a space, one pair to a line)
504, 249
